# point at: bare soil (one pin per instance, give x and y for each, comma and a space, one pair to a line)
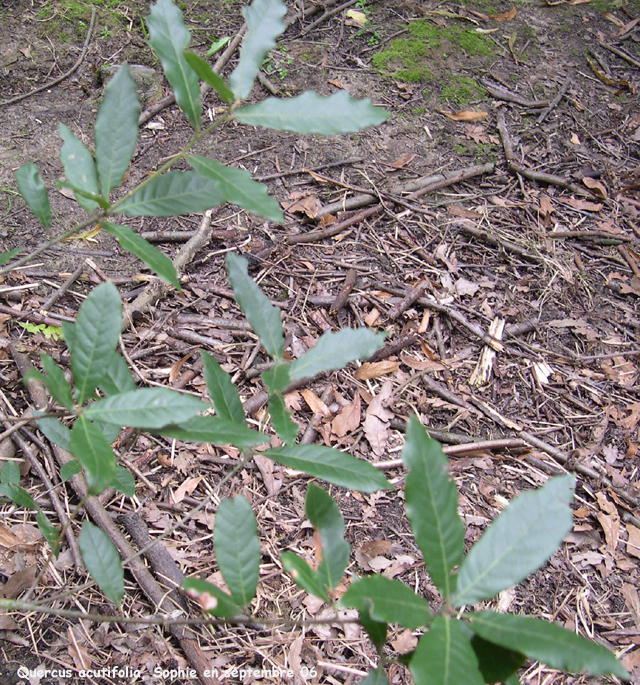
559, 263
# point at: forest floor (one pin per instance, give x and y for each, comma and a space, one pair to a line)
543, 241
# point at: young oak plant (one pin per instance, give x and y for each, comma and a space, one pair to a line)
169, 192
474, 647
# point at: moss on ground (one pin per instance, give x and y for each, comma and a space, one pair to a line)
461, 90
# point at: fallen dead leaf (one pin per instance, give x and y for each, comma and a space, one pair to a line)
595, 185
370, 370
307, 204
463, 115
266, 468
405, 642
609, 519
359, 18
187, 487
633, 541
19, 581
336, 83
348, 419
403, 161
376, 423
505, 16
582, 205
316, 405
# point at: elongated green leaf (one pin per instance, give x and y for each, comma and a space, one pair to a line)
212, 600
261, 314
116, 129
102, 561
444, 656
375, 677
55, 431
18, 496
79, 167
215, 431
222, 392
151, 408
496, 663
34, 193
431, 503
132, 242
206, 74
109, 430
336, 350
49, 532
117, 377
376, 630
55, 382
69, 470
10, 473
176, 192
281, 421
326, 518
264, 25
169, 38
390, 601
237, 187
312, 113
277, 377
548, 643
96, 332
518, 542
93, 451
8, 256
303, 575
330, 465
123, 482
235, 540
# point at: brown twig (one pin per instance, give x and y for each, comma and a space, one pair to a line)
54, 297
333, 229
184, 236
556, 100
503, 93
345, 291
327, 15
411, 297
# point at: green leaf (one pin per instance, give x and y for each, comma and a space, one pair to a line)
237, 186
8, 256
277, 377
49, 532
79, 167
206, 74
123, 482
34, 193
102, 561
235, 540
375, 677
55, 431
95, 336
169, 38
326, 518
109, 430
376, 630
303, 575
444, 656
261, 314
212, 600
117, 377
330, 465
216, 46
151, 408
518, 541
94, 453
264, 25
215, 431
130, 241
431, 503
222, 391
18, 496
547, 643
69, 470
390, 601
281, 421
311, 113
336, 350
10, 473
496, 663
116, 129
55, 382
176, 192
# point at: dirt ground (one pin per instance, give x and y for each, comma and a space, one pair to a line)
545, 240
